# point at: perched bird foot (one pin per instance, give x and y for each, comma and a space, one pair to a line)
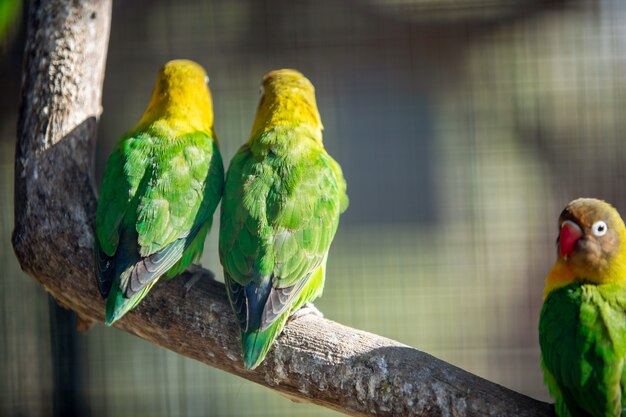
305, 310
197, 269
196, 272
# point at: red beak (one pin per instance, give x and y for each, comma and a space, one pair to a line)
570, 233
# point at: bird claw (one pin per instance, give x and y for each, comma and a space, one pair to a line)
197, 269
196, 272
305, 310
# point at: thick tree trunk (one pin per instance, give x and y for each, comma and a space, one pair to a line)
67, 363
315, 360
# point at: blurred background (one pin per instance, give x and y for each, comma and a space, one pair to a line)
463, 128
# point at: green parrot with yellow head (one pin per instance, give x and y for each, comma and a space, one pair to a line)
160, 188
280, 210
582, 327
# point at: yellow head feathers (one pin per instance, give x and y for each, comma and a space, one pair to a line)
181, 100
591, 245
288, 99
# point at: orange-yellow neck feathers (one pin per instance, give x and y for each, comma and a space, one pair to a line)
288, 100
181, 100
592, 246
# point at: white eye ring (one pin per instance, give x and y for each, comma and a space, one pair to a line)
599, 228
206, 79
261, 90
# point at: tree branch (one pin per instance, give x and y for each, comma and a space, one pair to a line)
315, 360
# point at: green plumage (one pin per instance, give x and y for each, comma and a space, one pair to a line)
156, 205
582, 332
280, 210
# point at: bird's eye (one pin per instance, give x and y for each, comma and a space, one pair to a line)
599, 228
261, 90
206, 79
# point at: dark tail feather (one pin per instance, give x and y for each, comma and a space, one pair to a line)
105, 268
117, 305
256, 344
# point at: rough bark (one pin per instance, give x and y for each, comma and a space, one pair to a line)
315, 360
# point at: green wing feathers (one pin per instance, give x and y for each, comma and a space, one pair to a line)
582, 332
156, 205
280, 212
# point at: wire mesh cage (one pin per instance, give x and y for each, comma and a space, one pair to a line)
463, 127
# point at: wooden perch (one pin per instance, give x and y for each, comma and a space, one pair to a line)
315, 360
